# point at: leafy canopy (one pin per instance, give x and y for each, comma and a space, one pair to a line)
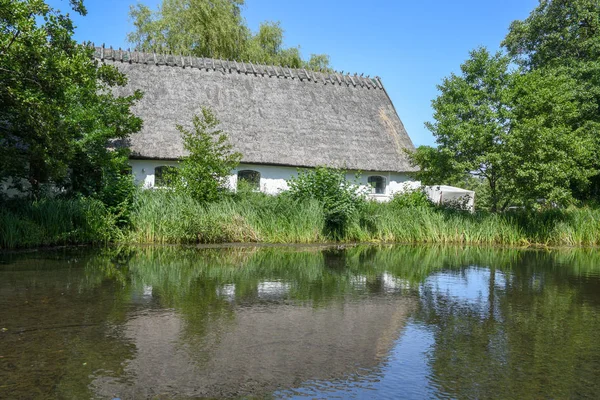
557, 32
58, 116
562, 38
214, 28
517, 131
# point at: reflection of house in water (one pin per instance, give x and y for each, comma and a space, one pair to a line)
262, 348
392, 284
272, 290
227, 292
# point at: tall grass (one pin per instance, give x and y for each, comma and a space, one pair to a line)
56, 222
165, 217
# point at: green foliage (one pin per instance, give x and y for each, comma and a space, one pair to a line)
556, 32
167, 217
57, 109
550, 147
520, 133
117, 194
56, 222
204, 28
341, 198
411, 199
559, 42
215, 29
164, 216
204, 172
471, 122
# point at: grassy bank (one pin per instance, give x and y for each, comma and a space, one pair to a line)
52, 222
163, 217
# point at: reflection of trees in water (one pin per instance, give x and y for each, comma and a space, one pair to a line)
63, 324
535, 335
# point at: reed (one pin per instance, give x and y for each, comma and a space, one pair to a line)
161, 217
167, 217
51, 222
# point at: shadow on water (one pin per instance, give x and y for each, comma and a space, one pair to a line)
170, 322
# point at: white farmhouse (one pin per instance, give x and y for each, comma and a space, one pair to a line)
280, 119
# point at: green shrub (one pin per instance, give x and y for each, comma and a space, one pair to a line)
341, 199
203, 174
411, 198
118, 193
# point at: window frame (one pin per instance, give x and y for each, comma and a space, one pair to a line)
160, 176
373, 188
255, 182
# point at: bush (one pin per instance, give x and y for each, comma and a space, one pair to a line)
118, 193
411, 198
341, 199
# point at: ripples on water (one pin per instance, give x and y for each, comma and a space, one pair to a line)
363, 322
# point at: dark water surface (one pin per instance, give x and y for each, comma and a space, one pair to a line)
363, 322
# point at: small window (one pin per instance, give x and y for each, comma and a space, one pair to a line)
377, 184
252, 178
163, 176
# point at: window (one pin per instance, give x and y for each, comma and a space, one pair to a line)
252, 178
162, 176
377, 184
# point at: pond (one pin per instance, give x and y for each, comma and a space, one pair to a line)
300, 322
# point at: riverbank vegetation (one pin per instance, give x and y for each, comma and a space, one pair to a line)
164, 217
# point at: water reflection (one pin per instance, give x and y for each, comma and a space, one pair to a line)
362, 322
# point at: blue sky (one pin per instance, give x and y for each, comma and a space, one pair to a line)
411, 45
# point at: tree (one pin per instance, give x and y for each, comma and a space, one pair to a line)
58, 116
471, 122
551, 148
203, 173
562, 38
518, 131
203, 28
213, 28
557, 32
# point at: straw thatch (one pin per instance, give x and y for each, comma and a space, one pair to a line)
273, 115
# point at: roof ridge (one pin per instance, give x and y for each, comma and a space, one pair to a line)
326, 77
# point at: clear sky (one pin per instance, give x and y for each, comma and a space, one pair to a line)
411, 45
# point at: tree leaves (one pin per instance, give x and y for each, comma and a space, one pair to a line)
203, 173
214, 29
521, 131
57, 114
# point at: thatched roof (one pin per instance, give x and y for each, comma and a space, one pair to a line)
273, 115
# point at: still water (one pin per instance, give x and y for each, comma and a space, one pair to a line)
311, 322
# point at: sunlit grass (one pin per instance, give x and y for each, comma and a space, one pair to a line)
56, 222
163, 217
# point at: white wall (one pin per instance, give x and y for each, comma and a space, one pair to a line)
143, 171
273, 178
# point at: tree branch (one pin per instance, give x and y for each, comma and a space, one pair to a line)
8, 46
